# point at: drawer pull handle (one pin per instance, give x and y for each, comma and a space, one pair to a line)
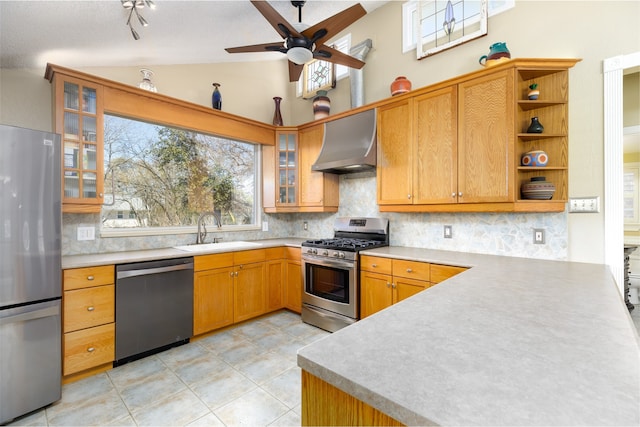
409, 270
91, 308
90, 277
374, 265
91, 349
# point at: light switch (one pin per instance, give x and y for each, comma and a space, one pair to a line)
584, 204
86, 233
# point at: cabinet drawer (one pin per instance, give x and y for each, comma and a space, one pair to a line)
293, 253
411, 269
84, 308
275, 253
208, 262
88, 348
248, 257
443, 272
77, 278
375, 264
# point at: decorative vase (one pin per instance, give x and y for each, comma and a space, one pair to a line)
321, 105
498, 52
537, 189
216, 97
400, 85
534, 93
535, 158
146, 80
277, 116
535, 126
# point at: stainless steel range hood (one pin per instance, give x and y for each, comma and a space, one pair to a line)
349, 144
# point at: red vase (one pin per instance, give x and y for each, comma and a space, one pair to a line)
400, 85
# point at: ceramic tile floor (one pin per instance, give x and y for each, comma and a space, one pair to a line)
245, 375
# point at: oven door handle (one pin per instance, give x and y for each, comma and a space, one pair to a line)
328, 262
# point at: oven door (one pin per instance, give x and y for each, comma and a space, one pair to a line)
331, 284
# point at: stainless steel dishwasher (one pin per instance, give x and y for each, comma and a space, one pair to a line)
154, 307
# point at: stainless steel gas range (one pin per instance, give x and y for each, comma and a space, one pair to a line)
331, 294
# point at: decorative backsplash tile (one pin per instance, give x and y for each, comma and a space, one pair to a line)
509, 234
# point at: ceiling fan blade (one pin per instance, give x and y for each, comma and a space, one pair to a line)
330, 54
294, 71
336, 23
265, 47
275, 19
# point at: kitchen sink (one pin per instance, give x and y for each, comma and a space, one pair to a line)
209, 247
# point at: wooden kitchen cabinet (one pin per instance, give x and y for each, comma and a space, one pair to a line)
212, 299
275, 277
249, 293
293, 288
78, 117
456, 146
88, 305
386, 281
289, 184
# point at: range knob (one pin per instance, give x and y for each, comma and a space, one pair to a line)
335, 254
312, 251
325, 252
340, 254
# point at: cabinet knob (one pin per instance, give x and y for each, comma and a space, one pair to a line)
236, 274
374, 265
90, 277
91, 308
460, 194
91, 349
409, 270
453, 195
408, 196
388, 285
100, 195
393, 285
231, 274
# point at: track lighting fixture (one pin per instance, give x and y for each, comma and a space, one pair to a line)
132, 6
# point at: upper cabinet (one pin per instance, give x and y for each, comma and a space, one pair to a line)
289, 184
78, 118
457, 146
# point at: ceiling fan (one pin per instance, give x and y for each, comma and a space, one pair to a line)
301, 44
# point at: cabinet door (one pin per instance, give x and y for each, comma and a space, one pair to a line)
312, 184
486, 139
435, 174
275, 274
286, 168
79, 119
293, 290
395, 141
375, 293
212, 299
250, 297
404, 288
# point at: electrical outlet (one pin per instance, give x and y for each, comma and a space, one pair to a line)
538, 236
265, 226
448, 231
86, 233
305, 225
584, 204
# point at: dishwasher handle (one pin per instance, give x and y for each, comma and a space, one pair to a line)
148, 271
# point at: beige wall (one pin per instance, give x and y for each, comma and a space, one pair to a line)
631, 100
532, 29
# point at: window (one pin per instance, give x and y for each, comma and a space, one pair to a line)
410, 19
322, 75
159, 178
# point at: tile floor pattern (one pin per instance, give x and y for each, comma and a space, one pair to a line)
244, 375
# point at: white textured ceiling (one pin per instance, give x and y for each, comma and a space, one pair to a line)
94, 33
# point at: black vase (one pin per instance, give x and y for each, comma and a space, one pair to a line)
535, 126
216, 97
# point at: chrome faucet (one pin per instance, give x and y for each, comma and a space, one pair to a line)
202, 229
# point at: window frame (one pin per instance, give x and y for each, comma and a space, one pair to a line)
343, 44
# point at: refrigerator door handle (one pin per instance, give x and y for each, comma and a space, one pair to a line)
31, 315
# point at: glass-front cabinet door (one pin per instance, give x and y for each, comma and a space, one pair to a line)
78, 112
287, 168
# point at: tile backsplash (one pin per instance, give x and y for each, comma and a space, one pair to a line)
509, 234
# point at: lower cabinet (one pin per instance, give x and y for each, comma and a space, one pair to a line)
293, 288
88, 326
385, 281
212, 299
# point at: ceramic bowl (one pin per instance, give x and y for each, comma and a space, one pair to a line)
535, 158
538, 189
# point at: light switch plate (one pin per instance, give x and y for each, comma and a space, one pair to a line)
448, 231
584, 204
538, 236
265, 226
86, 233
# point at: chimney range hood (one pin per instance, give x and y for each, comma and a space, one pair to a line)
349, 144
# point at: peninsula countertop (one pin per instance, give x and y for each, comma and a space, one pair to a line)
511, 341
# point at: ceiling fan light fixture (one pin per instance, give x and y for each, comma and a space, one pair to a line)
299, 55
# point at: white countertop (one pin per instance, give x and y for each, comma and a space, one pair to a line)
91, 260
511, 341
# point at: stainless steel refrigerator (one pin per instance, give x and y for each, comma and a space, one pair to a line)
30, 271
